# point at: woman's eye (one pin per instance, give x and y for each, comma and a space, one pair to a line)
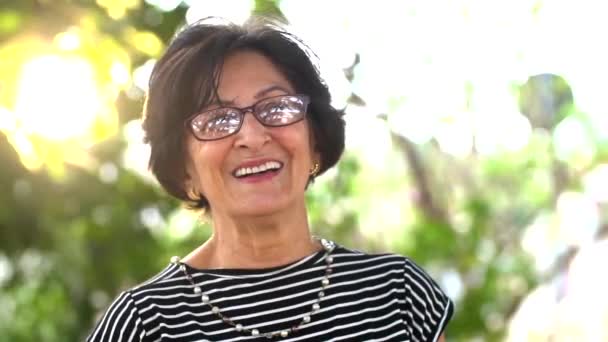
212, 120
275, 107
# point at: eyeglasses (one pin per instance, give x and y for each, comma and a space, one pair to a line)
222, 122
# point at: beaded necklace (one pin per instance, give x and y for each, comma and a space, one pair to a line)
328, 246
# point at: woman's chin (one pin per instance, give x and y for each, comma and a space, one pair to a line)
260, 210
262, 207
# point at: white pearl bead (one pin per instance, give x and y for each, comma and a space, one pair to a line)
215, 309
175, 259
197, 290
255, 332
284, 333
325, 282
205, 299
329, 259
306, 319
316, 307
239, 327
321, 294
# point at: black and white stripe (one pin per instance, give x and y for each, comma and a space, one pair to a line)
382, 297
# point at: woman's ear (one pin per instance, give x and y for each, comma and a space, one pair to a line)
316, 157
316, 162
314, 149
190, 180
191, 188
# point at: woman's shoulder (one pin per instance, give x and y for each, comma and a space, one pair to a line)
427, 309
346, 254
349, 254
125, 316
354, 263
168, 278
413, 273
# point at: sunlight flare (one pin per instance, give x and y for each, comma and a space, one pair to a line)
57, 97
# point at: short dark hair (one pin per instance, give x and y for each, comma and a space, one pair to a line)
185, 80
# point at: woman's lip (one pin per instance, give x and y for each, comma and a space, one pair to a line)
260, 177
256, 162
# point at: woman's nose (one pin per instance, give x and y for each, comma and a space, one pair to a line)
252, 133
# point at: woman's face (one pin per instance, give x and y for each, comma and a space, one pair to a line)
212, 166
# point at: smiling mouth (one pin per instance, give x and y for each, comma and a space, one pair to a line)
264, 168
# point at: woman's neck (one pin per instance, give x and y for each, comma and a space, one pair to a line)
258, 242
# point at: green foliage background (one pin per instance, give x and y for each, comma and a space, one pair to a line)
70, 241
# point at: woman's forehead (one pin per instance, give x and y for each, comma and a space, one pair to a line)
243, 77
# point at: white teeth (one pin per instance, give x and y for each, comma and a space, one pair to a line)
270, 165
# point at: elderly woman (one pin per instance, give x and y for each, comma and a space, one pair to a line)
240, 123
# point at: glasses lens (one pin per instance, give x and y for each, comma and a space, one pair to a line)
216, 123
281, 111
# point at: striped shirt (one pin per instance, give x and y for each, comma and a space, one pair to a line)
382, 297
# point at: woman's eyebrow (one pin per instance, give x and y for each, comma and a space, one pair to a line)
220, 103
270, 89
260, 94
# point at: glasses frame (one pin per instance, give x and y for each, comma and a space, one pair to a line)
249, 109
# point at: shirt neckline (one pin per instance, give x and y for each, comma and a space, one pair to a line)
303, 262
